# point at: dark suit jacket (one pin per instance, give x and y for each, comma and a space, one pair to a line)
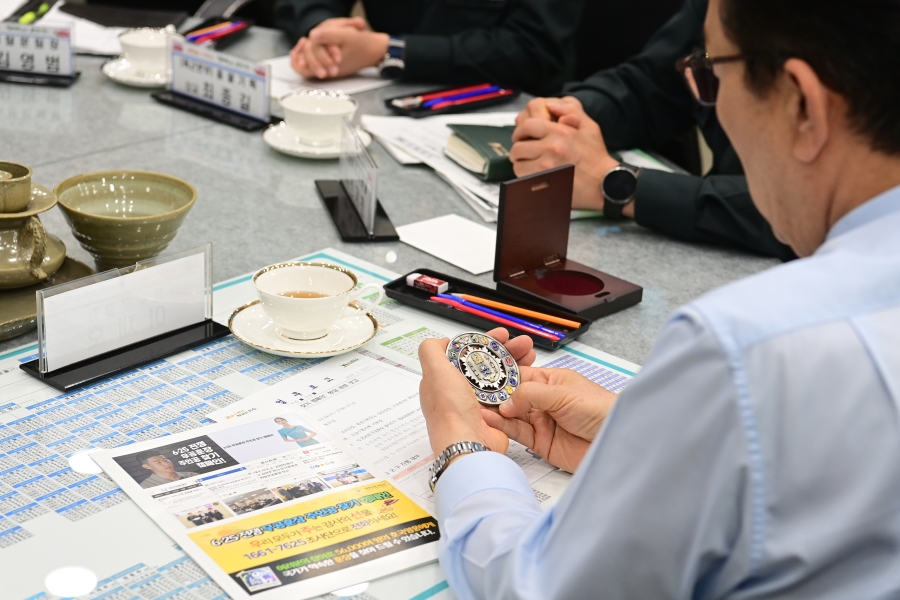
524, 43
643, 103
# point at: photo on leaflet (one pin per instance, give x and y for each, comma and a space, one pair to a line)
248, 442
174, 462
346, 475
299, 489
252, 501
203, 514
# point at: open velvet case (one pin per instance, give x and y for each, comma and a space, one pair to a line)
532, 242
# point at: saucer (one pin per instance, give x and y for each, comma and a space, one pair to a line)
18, 310
250, 324
126, 73
281, 138
42, 199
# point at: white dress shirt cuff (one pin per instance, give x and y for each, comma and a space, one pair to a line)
477, 472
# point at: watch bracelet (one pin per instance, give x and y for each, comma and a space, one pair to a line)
450, 452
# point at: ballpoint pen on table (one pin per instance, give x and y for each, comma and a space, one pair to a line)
468, 100
462, 95
416, 101
504, 315
489, 317
518, 310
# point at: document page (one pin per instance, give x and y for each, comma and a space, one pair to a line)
374, 409
272, 505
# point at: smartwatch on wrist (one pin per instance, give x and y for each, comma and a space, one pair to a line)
619, 186
452, 451
393, 65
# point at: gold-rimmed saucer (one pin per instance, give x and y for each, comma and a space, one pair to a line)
250, 324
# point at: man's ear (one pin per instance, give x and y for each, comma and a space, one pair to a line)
810, 107
144, 466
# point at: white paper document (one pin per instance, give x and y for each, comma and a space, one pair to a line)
374, 408
272, 506
87, 36
452, 238
286, 80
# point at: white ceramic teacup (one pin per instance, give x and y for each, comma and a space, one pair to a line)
315, 115
309, 318
145, 47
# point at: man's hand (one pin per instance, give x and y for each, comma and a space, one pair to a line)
568, 136
338, 48
555, 412
452, 412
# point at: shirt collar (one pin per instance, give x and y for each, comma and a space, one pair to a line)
879, 206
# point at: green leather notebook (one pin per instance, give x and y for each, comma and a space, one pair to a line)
483, 150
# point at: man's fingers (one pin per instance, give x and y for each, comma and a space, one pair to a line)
335, 52
327, 64
433, 355
514, 429
533, 395
500, 334
522, 349
532, 129
570, 120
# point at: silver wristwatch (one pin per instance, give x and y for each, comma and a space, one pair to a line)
452, 451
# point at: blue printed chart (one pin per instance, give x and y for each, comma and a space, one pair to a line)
54, 510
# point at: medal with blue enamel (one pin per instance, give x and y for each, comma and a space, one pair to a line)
486, 365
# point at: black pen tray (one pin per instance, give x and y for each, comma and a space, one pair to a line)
405, 294
460, 108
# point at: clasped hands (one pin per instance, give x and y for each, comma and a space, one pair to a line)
555, 412
551, 132
337, 48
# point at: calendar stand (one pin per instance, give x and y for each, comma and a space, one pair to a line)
209, 111
39, 78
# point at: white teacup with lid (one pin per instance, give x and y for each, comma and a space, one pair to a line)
314, 116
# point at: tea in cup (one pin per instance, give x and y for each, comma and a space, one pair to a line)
304, 299
315, 116
146, 47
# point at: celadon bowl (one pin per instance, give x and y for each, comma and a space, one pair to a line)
122, 217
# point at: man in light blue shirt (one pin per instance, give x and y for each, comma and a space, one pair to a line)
757, 454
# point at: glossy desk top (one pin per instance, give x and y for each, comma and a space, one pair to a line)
259, 207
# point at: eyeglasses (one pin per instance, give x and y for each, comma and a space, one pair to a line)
697, 69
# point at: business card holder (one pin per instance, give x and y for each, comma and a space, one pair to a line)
532, 243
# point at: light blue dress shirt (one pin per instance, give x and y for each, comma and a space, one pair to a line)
756, 455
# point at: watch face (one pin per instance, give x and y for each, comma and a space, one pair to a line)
619, 185
486, 365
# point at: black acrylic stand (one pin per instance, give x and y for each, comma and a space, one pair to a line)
39, 78
129, 357
347, 220
209, 111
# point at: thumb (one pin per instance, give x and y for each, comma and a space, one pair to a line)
533, 395
433, 356
570, 120
358, 23
331, 35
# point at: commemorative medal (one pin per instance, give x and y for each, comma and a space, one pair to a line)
486, 365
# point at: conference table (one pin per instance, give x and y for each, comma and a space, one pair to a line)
259, 207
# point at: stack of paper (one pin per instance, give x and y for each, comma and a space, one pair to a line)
87, 36
285, 80
425, 139
441, 237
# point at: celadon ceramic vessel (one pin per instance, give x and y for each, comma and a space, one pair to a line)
122, 217
28, 254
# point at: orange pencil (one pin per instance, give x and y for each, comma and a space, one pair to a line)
520, 311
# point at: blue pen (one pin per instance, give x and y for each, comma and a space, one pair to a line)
489, 90
504, 315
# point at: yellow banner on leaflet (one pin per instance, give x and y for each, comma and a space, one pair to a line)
307, 526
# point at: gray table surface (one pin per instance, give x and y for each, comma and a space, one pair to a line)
258, 207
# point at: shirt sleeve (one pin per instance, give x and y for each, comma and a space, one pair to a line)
297, 17
657, 508
531, 48
716, 209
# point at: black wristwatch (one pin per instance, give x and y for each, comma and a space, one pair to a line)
619, 186
393, 64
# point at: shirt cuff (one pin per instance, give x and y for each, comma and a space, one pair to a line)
478, 472
666, 202
426, 54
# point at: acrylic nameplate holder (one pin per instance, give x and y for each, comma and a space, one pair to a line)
532, 242
217, 86
111, 322
352, 201
36, 55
